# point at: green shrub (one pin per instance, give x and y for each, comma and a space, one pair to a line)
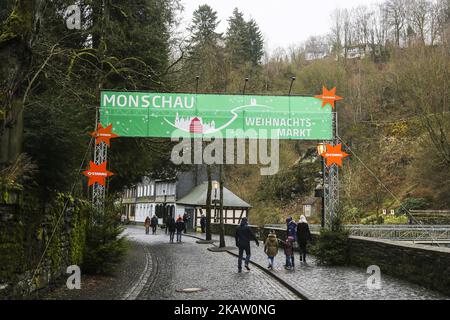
373, 219
331, 248
413, 204
351, 215
105, 245
396, 220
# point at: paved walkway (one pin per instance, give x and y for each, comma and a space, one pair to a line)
157, 270
338, 283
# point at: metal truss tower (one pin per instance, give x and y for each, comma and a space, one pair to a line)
100, 156
331, 179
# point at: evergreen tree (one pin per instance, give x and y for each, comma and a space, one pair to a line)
203, 28
256, 42
237, 39
244, 50
205, 54
124, 45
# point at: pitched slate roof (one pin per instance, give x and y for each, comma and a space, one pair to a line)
197, 198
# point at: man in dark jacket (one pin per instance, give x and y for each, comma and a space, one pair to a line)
186, 220
203, 223
243, 237
154, 224
172, 227
167, 221
180, 227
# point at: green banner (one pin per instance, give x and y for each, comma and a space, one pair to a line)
137, 114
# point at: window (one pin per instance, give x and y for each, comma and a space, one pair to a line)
152, 189
172, 188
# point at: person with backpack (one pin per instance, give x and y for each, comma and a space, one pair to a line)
243, 236
291, 228
303, 236
180, 228
271, 248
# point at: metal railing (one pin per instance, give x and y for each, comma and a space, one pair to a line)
416, 233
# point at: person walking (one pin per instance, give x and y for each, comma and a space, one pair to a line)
147, 224
167, 221
303, 236
271, 248
172, 227
291, 228
180, 228
289, 252
185, 219
243, 236
154, 224
203, 223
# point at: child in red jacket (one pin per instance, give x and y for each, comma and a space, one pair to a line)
289, 252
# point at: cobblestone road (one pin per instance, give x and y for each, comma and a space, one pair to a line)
339, 283
157, 270
190, 265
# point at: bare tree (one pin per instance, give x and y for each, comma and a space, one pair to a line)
347, 31
378, 29
439, 20
336, 32
396, 13
361, 21
418, 13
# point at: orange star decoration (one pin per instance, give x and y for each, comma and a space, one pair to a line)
104, 134
334, 155
329, 97
97, 173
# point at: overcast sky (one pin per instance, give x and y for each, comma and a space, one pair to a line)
283, 22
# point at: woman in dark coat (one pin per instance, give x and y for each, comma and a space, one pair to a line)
303, 236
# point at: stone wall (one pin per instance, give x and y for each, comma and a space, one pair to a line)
23, 238
424, 265
421, 264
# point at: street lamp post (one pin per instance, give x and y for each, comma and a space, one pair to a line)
321, 148
164, 212
215, 187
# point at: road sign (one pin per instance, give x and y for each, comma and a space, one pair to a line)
140, 114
